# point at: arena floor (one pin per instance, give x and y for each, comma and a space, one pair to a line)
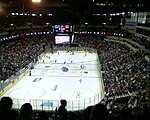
73, 76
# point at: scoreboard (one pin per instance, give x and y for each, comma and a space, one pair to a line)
61, 28
63, 33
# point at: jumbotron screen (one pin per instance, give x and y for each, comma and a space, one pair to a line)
61, 28
62, 39
63, 33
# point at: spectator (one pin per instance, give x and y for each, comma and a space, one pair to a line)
26, 112
62, 111
87, 112
99, 112
6, 111
42, 116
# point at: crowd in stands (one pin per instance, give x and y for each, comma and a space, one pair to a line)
143, 42
17, 54
142, 37
125, 74
124, 70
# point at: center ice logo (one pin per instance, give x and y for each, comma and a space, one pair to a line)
65, 69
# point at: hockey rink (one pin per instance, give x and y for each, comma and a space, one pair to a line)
73, 76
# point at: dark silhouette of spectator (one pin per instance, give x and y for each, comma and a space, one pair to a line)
99, 112
26, 112
87, 112
62, 111
71, 115
6, 111
125, 113
145, 112
42, 116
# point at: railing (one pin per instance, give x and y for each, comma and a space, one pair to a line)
52, 105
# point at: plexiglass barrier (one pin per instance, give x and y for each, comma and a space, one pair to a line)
52, 105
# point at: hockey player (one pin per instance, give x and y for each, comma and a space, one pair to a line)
78, 95
81, 66
30, 73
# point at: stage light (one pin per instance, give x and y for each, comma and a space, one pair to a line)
36, 1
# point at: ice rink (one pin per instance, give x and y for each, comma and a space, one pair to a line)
73, 76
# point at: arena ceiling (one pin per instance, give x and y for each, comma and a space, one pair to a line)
74, 10
91, 6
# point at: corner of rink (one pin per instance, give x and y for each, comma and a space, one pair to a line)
12, 83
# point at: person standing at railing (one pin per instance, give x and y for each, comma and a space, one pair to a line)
62, 111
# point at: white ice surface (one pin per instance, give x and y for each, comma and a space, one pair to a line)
56, 84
